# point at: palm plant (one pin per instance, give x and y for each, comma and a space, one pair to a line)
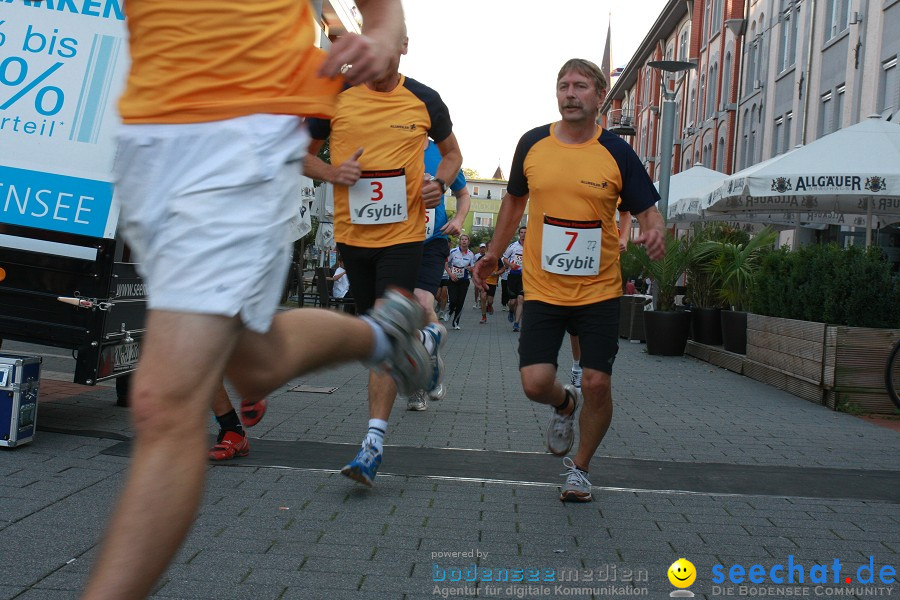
735, 264
665, 272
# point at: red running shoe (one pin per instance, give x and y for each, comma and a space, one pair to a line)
232, 445
490, 309
483, 320
252, 411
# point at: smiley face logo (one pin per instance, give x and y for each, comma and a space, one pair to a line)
682, 573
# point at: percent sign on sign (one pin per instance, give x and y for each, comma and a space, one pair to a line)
19, 79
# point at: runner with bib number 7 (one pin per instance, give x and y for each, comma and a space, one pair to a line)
573, 172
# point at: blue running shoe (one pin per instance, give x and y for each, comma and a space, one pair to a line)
364, 467
515, 327
437, 333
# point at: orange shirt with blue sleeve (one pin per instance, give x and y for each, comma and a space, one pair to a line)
571, 255
392, 128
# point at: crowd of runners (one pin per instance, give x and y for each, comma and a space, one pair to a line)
211, 150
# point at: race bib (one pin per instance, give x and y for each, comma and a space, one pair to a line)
516, 261
571, 247
430, 216
378, 197
458, 272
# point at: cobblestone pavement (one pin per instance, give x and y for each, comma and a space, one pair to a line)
265, 531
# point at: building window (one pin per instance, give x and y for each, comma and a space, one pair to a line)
778, 137
788, 118
890, 88
838, 108
826, 114
837, 17
716, 22
683, 44
720, 156
787, 48
707, 20
711, 94
702, 98
474, 190
753, 53
484, 220
726, 81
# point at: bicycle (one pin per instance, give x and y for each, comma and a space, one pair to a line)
892, 375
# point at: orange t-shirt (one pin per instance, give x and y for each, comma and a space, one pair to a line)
391, 127
572, 254
209, 60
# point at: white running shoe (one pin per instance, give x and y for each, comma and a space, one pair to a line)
561, 431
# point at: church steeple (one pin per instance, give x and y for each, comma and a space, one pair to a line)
498, 174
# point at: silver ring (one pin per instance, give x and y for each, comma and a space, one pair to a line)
345, 67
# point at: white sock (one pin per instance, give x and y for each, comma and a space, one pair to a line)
576, 366
382, 347
375, 435
427, 341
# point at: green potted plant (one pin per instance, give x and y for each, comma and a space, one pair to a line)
666, 328
736, 265
703, 282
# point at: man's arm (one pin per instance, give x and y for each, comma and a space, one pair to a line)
370, 53
346, 173
624, 230
451, 161
463, 203
653, 232
511, 210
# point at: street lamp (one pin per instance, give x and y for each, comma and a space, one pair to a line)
667, 143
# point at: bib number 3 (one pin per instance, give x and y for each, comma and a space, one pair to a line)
571, 247
378, 197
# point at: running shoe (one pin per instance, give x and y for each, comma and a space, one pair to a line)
252, 411
409, 363
561, 431
577, 487
483, 319
230, 446
364, 467
516, 327
438, 392
438, 334
418, 401
576, 378
490, 309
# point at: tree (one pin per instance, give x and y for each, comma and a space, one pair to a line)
470, 173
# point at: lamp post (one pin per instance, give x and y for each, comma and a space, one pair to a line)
667, 143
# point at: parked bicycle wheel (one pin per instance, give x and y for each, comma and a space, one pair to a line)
892, 375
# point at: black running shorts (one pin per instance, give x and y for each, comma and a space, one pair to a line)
373, 270
544, 325
434, 256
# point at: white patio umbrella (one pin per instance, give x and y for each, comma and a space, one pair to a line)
690, 183
855, 170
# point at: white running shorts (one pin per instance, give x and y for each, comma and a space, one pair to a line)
206, 209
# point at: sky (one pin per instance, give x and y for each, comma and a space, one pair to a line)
494, 62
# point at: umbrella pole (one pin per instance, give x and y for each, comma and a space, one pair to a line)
869, 222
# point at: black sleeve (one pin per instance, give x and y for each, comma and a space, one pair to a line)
638, 192
518, 183
319, 129
441, 125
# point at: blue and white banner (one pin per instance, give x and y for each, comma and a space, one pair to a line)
62, 68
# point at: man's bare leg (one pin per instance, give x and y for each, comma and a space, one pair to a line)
180, 370
426, 299
221, 404
182, 365
596, 415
